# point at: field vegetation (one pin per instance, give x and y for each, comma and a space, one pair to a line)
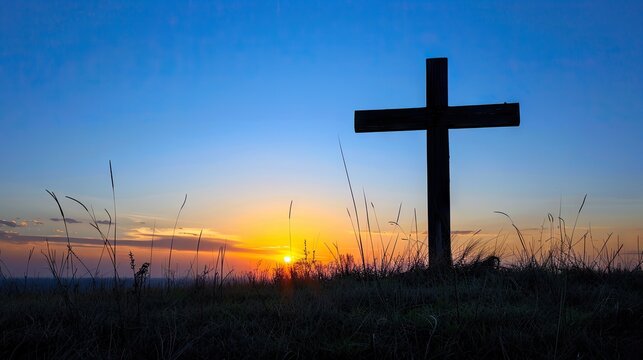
550, 308
552, 300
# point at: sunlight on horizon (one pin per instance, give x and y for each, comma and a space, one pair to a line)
262, 239
248, 255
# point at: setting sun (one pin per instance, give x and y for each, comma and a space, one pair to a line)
287, 259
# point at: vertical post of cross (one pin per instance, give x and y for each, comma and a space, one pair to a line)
439, 202
437, 117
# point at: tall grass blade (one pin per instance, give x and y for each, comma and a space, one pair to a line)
111, 176
169, 260
290, 230
350, 187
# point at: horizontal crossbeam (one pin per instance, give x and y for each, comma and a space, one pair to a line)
452, 117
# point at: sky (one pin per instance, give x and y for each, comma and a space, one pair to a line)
240, 105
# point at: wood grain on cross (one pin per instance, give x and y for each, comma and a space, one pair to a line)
437, 118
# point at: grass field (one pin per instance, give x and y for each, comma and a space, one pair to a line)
551, 301
476, 310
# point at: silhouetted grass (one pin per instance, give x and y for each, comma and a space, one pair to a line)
548, 303
477, 310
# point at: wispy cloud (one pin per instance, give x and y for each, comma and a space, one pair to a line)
7, 234
13, 224
104, 222
145, 233
69, 220
181, 243
463, 232
189, 233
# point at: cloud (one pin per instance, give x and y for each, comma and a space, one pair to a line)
190, 233
13, 224
69, 220
104, 222
7, 234
146, 233
181, 243
464, 232
8, 223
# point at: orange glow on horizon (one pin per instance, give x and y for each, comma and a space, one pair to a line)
263, 238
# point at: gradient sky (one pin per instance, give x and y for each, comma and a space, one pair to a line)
240, 105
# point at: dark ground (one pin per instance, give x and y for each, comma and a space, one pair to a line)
467, 313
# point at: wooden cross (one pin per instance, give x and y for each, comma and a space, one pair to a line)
437, 118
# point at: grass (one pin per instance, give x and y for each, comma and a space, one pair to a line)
553, 301
492, 313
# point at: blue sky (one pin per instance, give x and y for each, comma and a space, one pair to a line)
240, 104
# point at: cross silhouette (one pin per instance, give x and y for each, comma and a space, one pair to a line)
437, 118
